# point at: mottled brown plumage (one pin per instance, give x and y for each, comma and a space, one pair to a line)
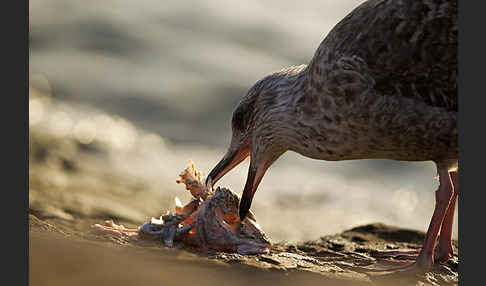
382, 84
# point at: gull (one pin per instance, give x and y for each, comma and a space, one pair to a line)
381, 85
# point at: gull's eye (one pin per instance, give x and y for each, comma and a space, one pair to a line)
242, 114
240, 118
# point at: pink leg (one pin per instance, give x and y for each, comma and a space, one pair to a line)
425, 259
443, 198
444, 249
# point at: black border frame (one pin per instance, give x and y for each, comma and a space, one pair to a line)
15, 121
471, 49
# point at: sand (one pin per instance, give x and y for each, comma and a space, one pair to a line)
62, 255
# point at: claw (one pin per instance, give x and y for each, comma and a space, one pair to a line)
183, 230
113, 229
192, 179
188, 209
178, 205
171, 223
158, 221
151, 229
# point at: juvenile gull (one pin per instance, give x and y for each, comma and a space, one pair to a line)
382, 84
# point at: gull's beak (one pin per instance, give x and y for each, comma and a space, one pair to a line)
248, 192
231, 159
255, 175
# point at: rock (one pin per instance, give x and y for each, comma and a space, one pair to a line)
390, 233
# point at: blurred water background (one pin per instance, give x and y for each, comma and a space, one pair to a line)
153, 84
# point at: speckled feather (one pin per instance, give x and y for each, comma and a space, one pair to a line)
404, 48
382, 84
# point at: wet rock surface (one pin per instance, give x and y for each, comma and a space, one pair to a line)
334, 257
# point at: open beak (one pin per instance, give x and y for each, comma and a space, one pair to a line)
255, 175
230, 160
248, 192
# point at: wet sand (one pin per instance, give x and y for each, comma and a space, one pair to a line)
59, 261
62, 255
